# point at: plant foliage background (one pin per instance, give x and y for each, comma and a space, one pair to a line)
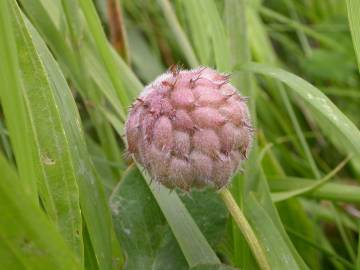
71, 199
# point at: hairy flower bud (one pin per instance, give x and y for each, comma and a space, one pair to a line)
189, 128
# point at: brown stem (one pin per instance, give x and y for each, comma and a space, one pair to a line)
117, 29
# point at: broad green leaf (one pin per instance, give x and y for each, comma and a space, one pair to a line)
209, 213
28, 240
53, 160
92, 199
141, 226
160, 209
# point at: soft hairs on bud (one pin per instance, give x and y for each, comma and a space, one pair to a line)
189, 128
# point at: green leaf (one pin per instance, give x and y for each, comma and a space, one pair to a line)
281, 196
103, 47
276, 249
329, 191
216, 31
157, 207
179, 33
353, 9
264, 206
147, 64
209, 213
340, 129
13, 105
53, 150
191, 241
27, 239
212, 267
200, 39
141, 226
92, 198
207, 26
45, 20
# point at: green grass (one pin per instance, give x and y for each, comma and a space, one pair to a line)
69, 197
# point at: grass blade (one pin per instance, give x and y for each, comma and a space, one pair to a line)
27, 239
281, 196
216, 31
53, 159
191, 241
342, 131
103, 47
179, 33
13, 105
92, 198
353, 9
328, 191
277, 251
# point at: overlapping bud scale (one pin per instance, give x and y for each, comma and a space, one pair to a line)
189, 128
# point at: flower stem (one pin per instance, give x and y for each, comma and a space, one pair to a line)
245, 228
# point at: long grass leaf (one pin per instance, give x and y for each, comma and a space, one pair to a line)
192, 242
353, 9
277, 251
28, 240
53, 159
340, 126
179, 33
92, 199
329, 191
218, 36
281, 196
102, 46
13, 103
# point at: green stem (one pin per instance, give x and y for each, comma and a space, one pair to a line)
246, 229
